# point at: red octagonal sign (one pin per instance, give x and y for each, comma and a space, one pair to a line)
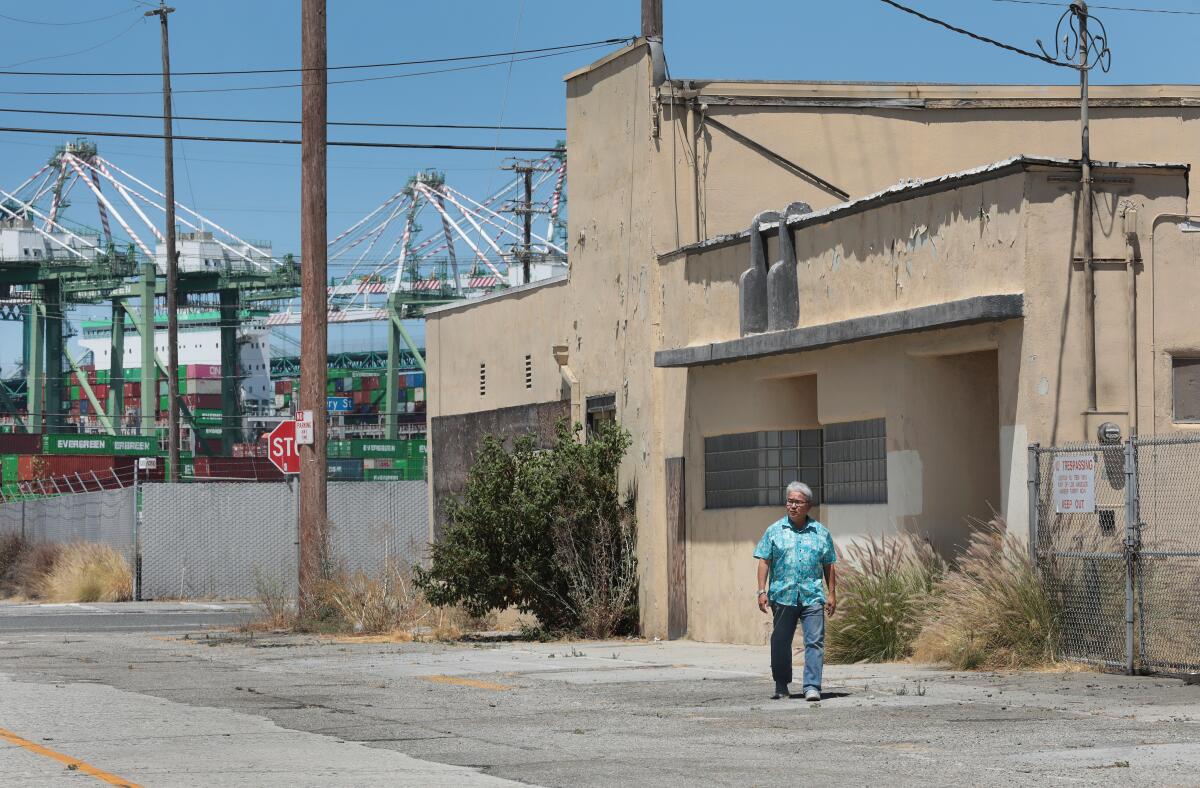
282, 449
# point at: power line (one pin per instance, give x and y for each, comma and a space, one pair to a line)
67, 24
264, 141
81, 51
1105, 7
976, 36
215, 119
236, 72
289, 85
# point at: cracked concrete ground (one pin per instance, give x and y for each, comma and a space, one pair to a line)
225, 709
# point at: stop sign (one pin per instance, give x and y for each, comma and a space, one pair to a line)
282, 449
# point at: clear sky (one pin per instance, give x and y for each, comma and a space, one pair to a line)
254, 189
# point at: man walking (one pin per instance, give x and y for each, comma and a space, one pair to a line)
797, 553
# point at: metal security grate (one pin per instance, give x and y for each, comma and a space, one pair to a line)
752, 468
856, 462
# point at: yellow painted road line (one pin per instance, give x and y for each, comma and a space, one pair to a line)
461, 682
71, 763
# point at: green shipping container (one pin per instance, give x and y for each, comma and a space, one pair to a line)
383, 475
125, 445
9, 468
376, 447
207, 416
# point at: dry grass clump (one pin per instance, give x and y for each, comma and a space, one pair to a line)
883, 589
991, 611
12, 547
387, 605
26, 577
84, 572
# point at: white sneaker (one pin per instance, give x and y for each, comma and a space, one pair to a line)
812, 695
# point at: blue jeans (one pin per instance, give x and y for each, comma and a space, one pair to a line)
812, 623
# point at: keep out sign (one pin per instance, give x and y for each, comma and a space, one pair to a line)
1074, 480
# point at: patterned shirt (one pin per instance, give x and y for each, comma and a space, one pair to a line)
797, 557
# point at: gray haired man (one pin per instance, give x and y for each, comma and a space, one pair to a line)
797, 554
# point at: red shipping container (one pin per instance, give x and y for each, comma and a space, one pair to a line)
101, 391
248, 468
370, 383
208, 401
204, 371
20, 443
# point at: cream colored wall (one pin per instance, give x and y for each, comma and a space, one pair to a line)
943, 454
631, 199
961, 404
498, 332
864, 150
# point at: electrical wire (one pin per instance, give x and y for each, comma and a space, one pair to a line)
216, 119
289, 85
1105, 7
106, 42
265, 141
68, 24
240, 72
977, 37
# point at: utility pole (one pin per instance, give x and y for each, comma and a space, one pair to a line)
313, 512
172, 263
652, 19
525, 207
1085, 161
527, 233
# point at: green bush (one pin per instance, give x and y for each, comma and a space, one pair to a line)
546, 532
883, 588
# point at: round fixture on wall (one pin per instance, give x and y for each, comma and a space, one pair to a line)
1108, 432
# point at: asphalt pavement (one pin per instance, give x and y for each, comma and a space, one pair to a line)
78, 617
225, 708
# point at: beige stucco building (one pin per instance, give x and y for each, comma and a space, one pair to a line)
931, 326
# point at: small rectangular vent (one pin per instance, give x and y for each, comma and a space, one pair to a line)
482, 378
528, 372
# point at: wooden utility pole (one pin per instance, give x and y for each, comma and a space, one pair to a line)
172, 263
527, 235
313, 300
1085, 162
652, 19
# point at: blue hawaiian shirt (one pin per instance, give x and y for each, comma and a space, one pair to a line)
797, 557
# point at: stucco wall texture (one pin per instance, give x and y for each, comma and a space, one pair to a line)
961, 403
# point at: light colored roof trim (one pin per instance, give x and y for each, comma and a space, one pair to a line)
508, 292
610, 57
908, 189
933, 91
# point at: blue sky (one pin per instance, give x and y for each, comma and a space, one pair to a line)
254, 189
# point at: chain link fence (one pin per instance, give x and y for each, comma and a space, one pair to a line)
235, 540
1116, 538
102, 517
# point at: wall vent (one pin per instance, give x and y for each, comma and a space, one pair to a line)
482, 378
528, 372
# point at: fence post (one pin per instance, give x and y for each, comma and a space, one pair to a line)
1034, 474
137, 542
1130, 546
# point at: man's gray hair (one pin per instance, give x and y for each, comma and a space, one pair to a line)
801, 488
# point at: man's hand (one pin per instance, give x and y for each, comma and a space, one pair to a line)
764, 604
830, 606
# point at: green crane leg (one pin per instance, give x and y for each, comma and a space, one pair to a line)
35, 364
230, 421
145, 327
391, 398
52, 295
116, 366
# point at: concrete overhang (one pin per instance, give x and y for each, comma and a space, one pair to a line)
910, 189
968, 311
